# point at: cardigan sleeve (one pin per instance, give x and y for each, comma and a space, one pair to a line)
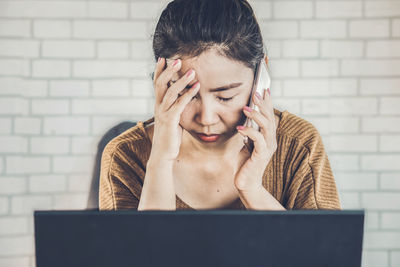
118, 182
317, 189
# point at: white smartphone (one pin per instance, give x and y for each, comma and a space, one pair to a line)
261, 80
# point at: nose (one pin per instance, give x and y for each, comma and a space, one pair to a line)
207, 115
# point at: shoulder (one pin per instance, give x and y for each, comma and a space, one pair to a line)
132, 144
294, 129
301, 147
122, 168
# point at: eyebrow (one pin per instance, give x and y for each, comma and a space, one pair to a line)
225, 87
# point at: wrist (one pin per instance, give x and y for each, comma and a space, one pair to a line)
251, 190
159, 162
258, 198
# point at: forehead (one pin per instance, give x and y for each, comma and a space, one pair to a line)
213, 69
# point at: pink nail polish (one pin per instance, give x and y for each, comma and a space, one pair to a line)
159, 59
240, 127
258, 95
269, 92
247, 108
189, 72
175, 62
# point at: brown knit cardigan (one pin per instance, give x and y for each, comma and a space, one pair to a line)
298, 175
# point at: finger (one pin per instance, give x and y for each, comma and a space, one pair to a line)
175, 90
159, 67
267, 126
261, 121
268, 100
184, 99
161, 84
265, 93
260, 146
267, 97
270, 108
264, 106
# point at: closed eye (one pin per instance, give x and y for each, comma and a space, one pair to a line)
223, 99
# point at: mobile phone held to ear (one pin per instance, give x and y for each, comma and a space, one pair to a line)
261, 81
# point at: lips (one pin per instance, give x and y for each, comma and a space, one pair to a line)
208, 138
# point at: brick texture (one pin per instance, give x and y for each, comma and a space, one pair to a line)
71, 70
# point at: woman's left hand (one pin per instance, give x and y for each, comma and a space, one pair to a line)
249, 177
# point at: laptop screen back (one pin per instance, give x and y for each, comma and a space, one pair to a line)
199, 238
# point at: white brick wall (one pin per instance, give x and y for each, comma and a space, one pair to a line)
16, 245
371, 28
69, 88
13, 185
52, 29
338, 9
342, 49
293, 10
27, 164
26, 125
68, 49
19, 48
381, 87
56, 125
113, 49
15, 261
47, 183
101, 88
71, 70
13, 225
15, 28
51, 68
390, 181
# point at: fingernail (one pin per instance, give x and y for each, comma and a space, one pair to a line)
189, 72
247, 108
175, 62
159, 59
268, 91
240, 127
258, 95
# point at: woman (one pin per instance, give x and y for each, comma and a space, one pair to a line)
191, 155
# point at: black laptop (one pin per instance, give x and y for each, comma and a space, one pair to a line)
199, 238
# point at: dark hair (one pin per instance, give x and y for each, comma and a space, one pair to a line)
189, 27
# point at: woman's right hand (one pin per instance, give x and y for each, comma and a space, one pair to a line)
168, 107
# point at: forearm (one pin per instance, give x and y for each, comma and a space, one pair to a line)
158, 192
260, 199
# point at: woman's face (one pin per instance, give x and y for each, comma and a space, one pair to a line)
213, 110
